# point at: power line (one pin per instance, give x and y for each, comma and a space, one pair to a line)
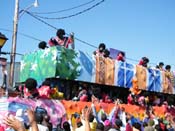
28, 36
72, 15
134, 60
64, 10
34, 16
9, 53
84, 42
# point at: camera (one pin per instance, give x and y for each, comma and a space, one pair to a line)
76, 115
19, 111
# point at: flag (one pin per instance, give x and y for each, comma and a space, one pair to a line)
124, 73
154, 80
86, 66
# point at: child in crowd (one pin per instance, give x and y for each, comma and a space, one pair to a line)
30, 88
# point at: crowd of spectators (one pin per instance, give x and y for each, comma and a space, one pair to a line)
91, 120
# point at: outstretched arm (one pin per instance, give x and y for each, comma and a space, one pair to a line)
14, 123
32, 121
86, 113
72, 40
94, 99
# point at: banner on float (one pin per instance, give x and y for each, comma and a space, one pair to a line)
124, 73
40, 64
77, 65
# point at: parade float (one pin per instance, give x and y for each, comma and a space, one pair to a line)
60, 63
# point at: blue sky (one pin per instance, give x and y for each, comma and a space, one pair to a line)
138, 27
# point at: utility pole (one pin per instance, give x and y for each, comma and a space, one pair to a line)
14, 40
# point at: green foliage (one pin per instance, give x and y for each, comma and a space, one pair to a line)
66, 64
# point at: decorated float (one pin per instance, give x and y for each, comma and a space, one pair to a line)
57, 62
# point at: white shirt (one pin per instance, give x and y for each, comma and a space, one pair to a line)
41, 128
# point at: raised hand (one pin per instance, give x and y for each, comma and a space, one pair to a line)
14, 123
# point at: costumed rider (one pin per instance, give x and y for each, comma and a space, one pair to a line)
121, 56
100, 50
144, 62
107, 54
42, 45
62, 40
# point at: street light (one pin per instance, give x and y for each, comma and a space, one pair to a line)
14, 37
35, 4
3, 39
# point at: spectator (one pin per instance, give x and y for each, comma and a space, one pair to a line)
39, 120
62, 40
100, 50
161, 124
42, 45
145, 124
158, 128
17, 125
3, 72
150, 126
46, 122
45, 89
30, 88
108, 99
2, 91
88, 120
14, 123
136, 126
86, 113
122, 116
128, 122
32, 120
107, 125
66, 126
82, 95
100, 127
103, 118
117, 125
